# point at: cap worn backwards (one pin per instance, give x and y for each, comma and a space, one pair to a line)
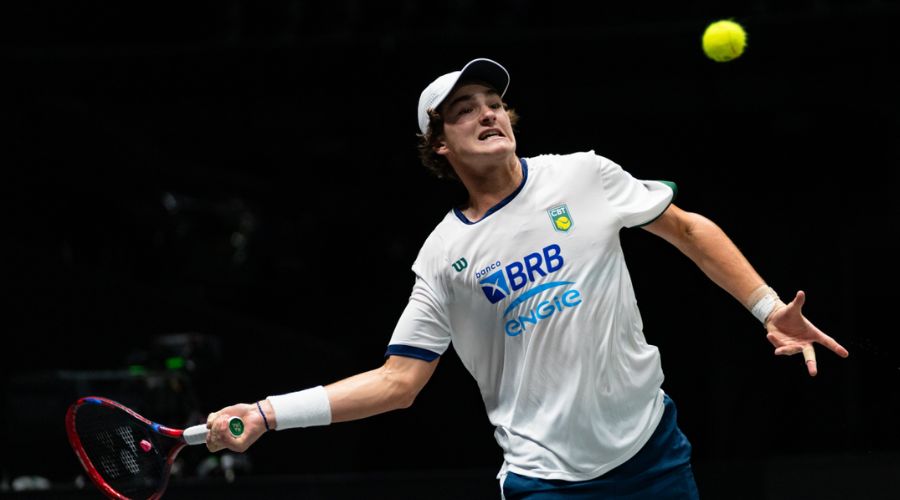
486, 70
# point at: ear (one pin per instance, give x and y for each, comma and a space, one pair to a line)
441, 148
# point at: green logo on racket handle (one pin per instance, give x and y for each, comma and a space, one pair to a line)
236, 426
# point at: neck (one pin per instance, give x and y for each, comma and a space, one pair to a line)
489, 186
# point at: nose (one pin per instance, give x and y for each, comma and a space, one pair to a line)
488, 115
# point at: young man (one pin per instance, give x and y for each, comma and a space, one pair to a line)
529, 282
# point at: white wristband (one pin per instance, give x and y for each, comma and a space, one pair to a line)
764, 306
304, 408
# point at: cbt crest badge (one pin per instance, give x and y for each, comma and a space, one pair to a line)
561, 218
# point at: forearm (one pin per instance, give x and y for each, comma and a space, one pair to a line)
718, 257
369, 393
711, 250
393, 386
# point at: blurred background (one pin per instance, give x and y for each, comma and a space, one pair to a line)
212, 202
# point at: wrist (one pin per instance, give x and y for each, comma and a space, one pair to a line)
763, 302
306, 408
267, 413
778, 305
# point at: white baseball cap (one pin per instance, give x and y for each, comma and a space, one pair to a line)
486, 70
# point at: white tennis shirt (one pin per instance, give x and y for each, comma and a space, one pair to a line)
539, 305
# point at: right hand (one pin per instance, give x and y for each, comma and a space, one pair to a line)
220, 437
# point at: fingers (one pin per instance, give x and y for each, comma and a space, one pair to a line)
796, 334
832, 345
219, 436
213, 438
789, 350
809, 355
211, 444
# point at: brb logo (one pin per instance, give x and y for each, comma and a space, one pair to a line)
497, 286
499, 282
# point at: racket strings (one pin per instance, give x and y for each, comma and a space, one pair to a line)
111, 439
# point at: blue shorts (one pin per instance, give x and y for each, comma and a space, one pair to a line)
660, 471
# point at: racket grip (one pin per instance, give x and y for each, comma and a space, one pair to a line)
196, 434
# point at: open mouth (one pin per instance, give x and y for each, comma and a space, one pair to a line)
487, 134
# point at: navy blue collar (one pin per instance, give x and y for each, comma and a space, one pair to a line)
502, 203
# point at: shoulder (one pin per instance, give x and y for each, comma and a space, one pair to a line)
581, 160
578, 165
562, 160
433, 252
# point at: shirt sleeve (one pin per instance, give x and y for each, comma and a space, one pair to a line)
637, 202
423, 330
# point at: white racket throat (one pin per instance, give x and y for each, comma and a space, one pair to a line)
195, 434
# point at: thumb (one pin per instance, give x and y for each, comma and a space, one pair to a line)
799, 299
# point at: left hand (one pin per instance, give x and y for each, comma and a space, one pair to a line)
790, 332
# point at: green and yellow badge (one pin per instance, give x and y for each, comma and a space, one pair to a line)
561, 218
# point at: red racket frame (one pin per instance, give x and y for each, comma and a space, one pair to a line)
95, 476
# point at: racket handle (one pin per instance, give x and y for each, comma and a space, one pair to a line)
197, 434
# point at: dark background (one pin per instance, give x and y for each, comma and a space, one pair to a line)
235, 185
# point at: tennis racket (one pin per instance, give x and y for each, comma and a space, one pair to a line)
126, 455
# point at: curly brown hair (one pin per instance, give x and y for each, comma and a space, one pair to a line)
438, 164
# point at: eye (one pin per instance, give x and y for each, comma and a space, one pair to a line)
496, 105
463, 110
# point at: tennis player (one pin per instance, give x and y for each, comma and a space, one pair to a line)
529, 282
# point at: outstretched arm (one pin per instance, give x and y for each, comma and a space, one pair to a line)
393, 386
717, 256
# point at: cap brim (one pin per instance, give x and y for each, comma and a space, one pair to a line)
487, 71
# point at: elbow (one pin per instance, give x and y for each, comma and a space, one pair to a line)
692, 225
695, 231
403, 379
405, 401
401, 391
404, 395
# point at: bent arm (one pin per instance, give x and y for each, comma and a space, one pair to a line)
393, 386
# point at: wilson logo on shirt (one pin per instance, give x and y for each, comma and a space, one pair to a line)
460, 264
561, 218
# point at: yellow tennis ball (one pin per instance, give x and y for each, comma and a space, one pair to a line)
724, 40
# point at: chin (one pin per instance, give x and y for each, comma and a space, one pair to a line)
506, 147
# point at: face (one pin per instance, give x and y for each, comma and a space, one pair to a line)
476, 126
